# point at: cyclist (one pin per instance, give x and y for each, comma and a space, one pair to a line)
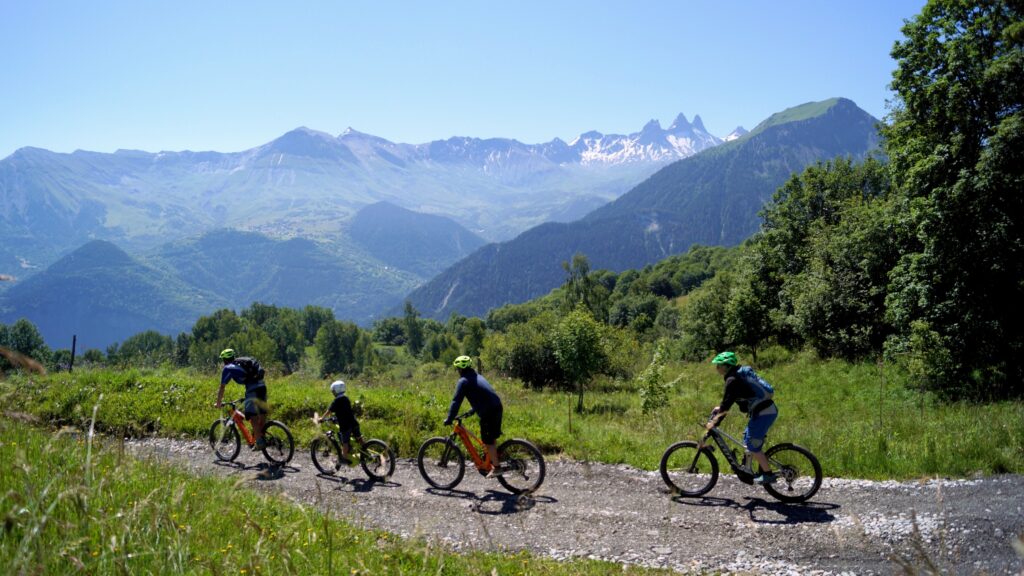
485, 402
761, 415
341, 407
255, 407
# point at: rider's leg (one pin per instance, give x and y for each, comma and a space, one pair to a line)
754, 437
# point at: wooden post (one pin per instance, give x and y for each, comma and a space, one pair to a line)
74, 342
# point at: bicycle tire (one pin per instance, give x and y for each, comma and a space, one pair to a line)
279, 445
225, 440
523, 464
797, 470
326, 454
377, 460
441, 463
687, 470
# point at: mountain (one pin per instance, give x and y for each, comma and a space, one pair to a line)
739, 132
246, 267
309, 184
424, 244
711, 198
103, 295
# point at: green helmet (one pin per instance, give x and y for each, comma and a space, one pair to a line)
227, 354
463, 362
727, 358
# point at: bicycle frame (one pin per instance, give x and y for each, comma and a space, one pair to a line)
239, 419
483, 465
744, 471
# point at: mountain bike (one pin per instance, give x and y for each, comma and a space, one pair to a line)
691, 469
375, 456
226, 437
443, 464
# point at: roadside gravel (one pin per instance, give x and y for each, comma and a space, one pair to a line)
622, 514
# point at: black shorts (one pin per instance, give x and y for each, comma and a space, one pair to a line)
490, 426
255, 401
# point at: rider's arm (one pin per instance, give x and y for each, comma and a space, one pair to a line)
460, 393
220, 395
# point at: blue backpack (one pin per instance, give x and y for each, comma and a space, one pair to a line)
763, 390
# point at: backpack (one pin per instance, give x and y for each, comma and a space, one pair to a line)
251, 366
763, 390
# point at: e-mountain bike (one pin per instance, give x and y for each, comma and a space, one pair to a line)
226, 442
691, 469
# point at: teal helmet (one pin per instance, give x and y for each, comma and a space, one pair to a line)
727, 358
227, 354
463, 362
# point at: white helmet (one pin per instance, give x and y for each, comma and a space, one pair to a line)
337, 387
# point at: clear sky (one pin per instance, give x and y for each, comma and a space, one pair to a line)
230, 75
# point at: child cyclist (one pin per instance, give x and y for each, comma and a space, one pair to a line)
341, 408
750, 398
485, 402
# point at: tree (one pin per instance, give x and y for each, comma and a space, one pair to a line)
24, 338
473, 340
579, 349
956, 144
150, 348
413, 329
653, 388
582, 288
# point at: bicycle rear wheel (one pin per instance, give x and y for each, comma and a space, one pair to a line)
797, 470
687, 470
224, 439
279, 447
326, 454
377, 460
523, 464
441, 463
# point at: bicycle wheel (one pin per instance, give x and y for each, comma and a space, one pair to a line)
377, 460
441, 463
224, 440
326, 454
523, 464
687, 470
798, 472
279, 447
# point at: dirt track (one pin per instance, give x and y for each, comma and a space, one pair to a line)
626, 515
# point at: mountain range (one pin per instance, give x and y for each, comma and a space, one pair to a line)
310, 184
711, 198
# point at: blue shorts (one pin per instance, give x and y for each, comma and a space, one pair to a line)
757, 430
255, 401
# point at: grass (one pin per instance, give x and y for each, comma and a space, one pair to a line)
71, 508
860, 419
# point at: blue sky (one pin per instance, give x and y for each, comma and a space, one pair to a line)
227, 76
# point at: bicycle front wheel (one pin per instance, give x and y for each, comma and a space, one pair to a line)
279, 447
326, 455
377, 460
687, 470
224, 440
523, 466
797, 470
441, 463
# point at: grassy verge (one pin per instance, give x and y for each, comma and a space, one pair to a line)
860, 419
69, 507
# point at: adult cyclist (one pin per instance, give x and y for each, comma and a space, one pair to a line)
255, 403
485, 402
761, 411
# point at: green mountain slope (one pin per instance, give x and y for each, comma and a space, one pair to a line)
103, 295
711, 198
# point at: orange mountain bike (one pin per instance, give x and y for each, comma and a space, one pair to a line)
442, 463
226, 441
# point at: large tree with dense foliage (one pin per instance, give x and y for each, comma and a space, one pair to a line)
956, 144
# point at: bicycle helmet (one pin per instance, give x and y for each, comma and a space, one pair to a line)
463, 362
337, 387
727, 358
227, 354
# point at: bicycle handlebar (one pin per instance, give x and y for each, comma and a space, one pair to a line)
465, 415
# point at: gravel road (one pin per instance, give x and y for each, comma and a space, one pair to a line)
626, 515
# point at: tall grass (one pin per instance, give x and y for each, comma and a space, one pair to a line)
65, 512
862, 420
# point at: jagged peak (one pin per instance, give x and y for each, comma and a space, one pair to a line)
679, 123
699, 124
651, 126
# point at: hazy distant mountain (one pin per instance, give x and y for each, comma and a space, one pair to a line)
102, 295
424, 244
309, 184
739, 132
711, 198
